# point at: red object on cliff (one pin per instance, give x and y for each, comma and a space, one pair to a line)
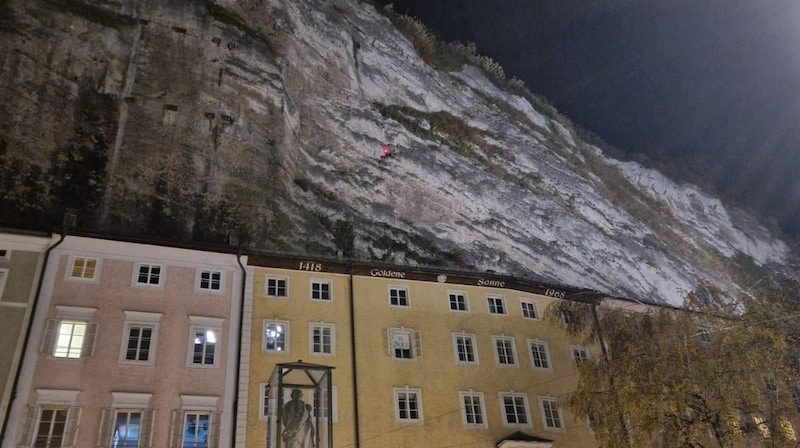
386, 152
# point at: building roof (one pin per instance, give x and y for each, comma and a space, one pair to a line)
521, 440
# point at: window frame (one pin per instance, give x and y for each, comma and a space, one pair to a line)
210, 436
137, 270
69, 427
407, 298
496, 298
52, 331
70, 269
414, 341
525, 405
313, 282
534, 305
286, 339
198, 284
467, 336
139, 319
277, 278
553, 407
547, 358
495, 340
322, 325
462, 396
205, 325
456, 294
396, 392
579, 348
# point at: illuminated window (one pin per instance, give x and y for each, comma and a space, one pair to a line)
204, 336
276, 336
84, 268
196, 429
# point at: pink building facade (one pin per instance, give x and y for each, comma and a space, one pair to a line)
132, 345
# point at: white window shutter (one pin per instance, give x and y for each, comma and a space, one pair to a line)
88, 340
176, 436
106, 427
28, 422
146, 429
71, 430
213, 440
387, 341
417, 344
49, 339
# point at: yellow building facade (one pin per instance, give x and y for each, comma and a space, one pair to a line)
422, 358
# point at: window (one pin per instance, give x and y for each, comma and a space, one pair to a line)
264, 401
404, 343
458, 301
321, 339
196, 429
276, 337
504, 350
84, 268
204, 334
539, 356
320, 290
550, 413
496, 305
320, 405
408, 405
464, 345
139, 337
127, 423
71, 335
515, 409
579, 354
398, 296
51, 427
5, 254
209, 280
148, 274
472, 410
529, 309
276, 286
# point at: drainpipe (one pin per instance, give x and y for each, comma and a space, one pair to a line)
27, 338
238, 348
353, 357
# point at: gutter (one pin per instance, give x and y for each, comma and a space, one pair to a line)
28, 330
235, 410
353, 357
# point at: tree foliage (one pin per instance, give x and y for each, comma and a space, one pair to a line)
718, 372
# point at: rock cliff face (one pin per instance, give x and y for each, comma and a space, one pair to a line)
266, 118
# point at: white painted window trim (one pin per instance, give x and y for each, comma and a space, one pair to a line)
130, 400
471, 336
502, 299
523, 301
572, 349
547, 356
98, 266
65, 312
205, 323
64, 397
162, 275
313, 281
399, 288
145, 319
458, 293
396, 392
321, 324
495, 338
262, 401
206, 403
267, 278
414, 337
198, 281
288, 338
501, 400
560, 428
479, 395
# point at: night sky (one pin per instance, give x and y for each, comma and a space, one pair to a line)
713, 86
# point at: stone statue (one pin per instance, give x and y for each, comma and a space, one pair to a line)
298, 429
